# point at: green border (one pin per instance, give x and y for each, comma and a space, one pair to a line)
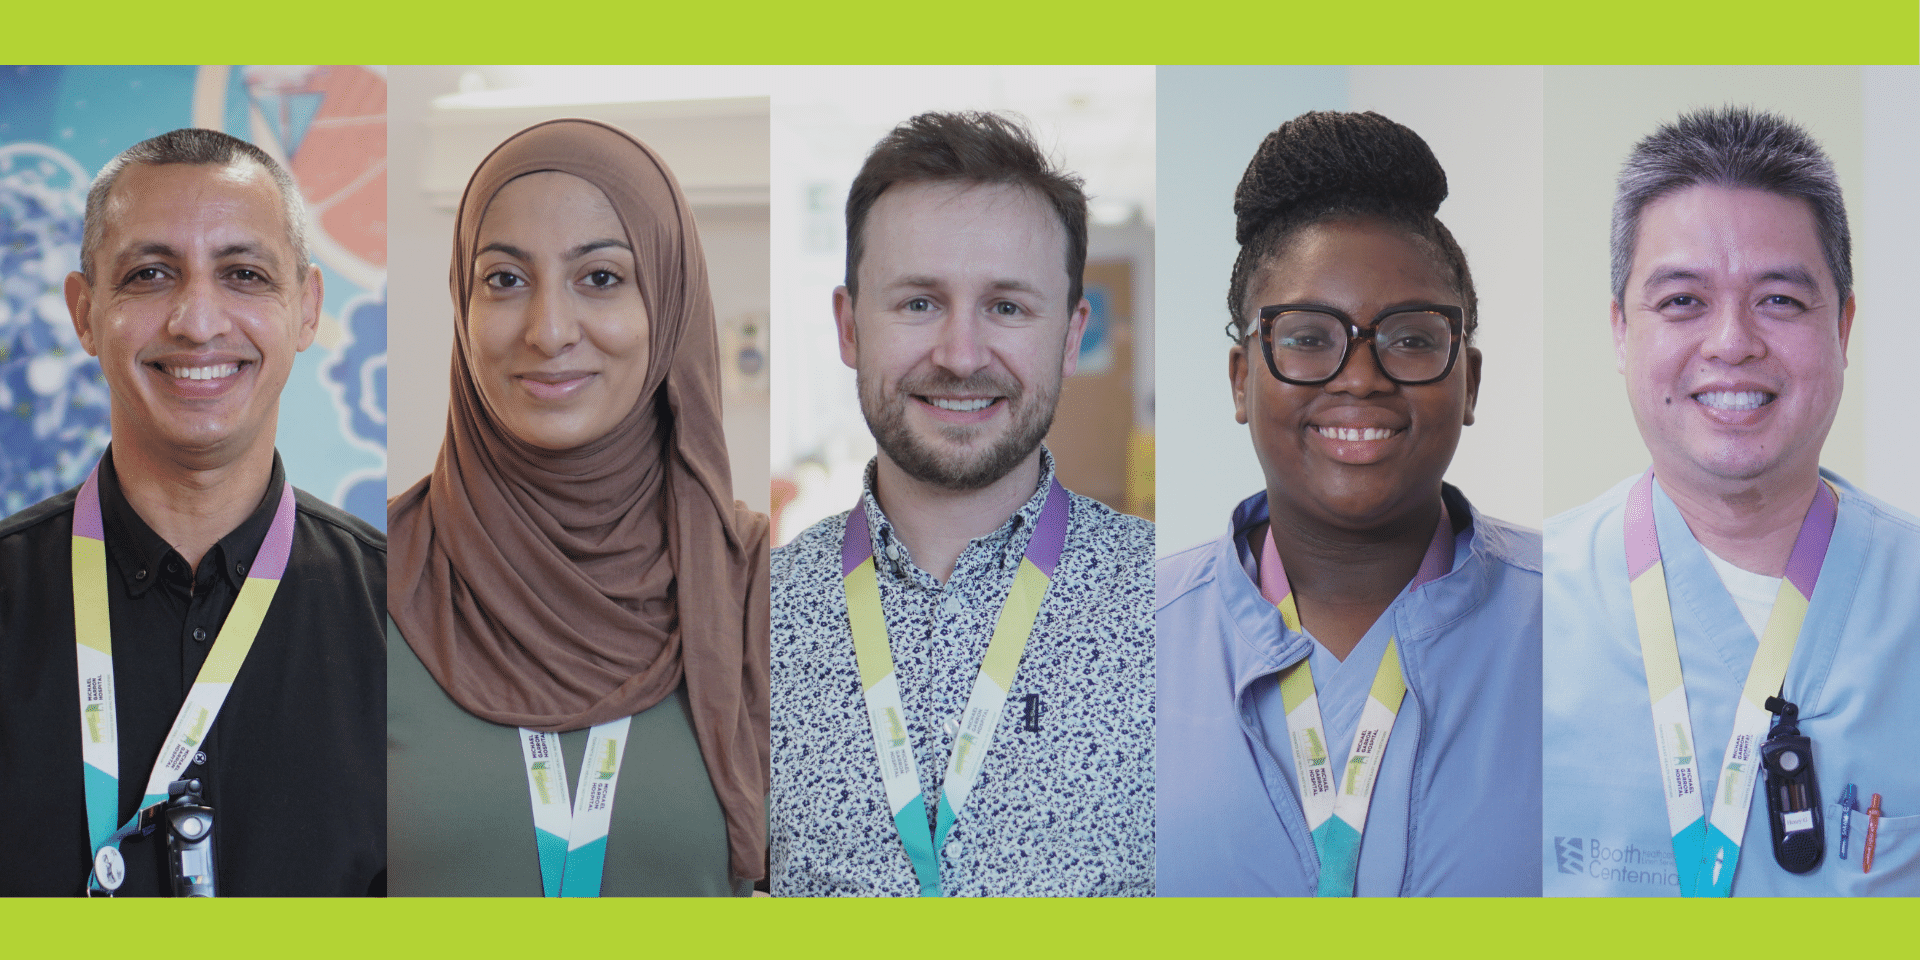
980, 31
1394, 31
1001, 928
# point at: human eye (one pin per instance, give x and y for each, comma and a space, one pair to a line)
144, 277
503, 280
918, 305
1782, 305
247, 276
1413, 341
601, 279
1301, 339
1006, 308
1682, 306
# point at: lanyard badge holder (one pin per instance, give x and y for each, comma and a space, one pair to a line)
189, 821
880, 687
1706, 847
1793, 792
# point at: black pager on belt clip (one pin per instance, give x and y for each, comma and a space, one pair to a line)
1793, 792
188, 824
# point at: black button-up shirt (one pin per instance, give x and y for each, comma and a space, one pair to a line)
295, 765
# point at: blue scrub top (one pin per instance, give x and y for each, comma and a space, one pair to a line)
1855, 676
1456, 809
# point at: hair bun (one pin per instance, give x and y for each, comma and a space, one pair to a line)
1326, 156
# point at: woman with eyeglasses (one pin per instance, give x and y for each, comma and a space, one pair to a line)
1349, 680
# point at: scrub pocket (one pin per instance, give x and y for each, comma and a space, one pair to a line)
1896, 856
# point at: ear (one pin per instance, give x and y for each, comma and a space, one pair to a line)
843, 322
1846, 327
1237, 377
1076, 328
315, 296
1473, 383
79, 306
1618, 318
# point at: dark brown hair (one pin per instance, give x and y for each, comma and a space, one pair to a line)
974, 148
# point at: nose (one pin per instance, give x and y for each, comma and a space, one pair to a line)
1733, 335
1362, 376
551, 326
199, 315
962, 348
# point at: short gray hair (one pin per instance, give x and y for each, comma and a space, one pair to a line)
1731, 147
197, 147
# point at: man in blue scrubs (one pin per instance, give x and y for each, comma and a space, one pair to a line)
1732, 307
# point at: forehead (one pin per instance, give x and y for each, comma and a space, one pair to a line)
958, 233
176, 202
1730, 231
1361, 261
550, 205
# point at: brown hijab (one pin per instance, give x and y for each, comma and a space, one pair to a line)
560, 590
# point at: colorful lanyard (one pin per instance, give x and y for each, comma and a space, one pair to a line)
572, 836
1336, 806
1706, 852
93, 636
881, 687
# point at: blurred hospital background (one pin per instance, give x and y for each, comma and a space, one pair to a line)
326, 125
1095, 121
708, 123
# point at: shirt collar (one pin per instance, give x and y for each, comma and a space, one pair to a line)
140, 553
1008, 542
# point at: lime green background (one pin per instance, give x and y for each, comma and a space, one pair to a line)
998, 31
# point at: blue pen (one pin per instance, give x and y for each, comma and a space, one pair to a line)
1847, 806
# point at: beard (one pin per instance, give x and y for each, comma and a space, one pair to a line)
969, 459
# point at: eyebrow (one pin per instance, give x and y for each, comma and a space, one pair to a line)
1797, 276
573, 254
929, 282
158, 248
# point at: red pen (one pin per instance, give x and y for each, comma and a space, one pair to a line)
1873, 828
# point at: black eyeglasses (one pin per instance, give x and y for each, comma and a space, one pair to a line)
1308, 344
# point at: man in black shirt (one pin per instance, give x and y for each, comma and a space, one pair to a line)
195, 290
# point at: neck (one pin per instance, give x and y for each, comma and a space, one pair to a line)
191, 505
936, 523
1751, 524
1343, 579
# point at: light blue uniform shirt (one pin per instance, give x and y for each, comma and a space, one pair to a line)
1855, 676
1456, 806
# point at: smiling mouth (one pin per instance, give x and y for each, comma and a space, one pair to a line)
1735, 400
1350, 434
961, 406
208, 372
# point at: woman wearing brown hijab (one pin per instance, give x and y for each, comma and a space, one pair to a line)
577, 557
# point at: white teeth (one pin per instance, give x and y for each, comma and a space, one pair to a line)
961, 406
203, 373
1352, 433
1730, 400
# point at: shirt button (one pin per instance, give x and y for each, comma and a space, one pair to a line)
199, 634
955, 850
240, 568
172, 567
952, 605
141, 575
893, 552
